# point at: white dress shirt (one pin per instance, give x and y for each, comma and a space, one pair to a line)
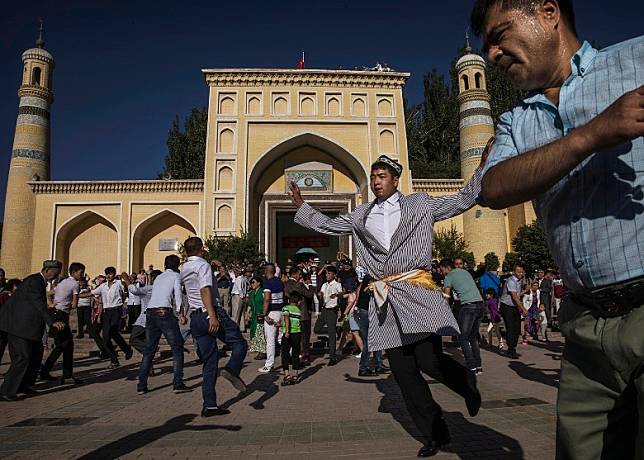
240, 286
166, 291
383, 220
112, 296
196, 274
328, 289
133, 299
145, 294
64, 293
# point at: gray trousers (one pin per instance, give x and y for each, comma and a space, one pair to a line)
237, 314
600, 410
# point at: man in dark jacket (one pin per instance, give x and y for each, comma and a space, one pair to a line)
296, 284
23, 318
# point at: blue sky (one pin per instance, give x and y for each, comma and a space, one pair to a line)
124, 69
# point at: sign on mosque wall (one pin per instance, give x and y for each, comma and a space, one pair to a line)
168, 244
310, 181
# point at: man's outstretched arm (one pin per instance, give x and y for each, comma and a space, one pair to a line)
513, 181
309, 217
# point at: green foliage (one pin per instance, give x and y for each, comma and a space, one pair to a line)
531, 247
491, 262
433, 140
449, 244
187, 146
232, 251
510, 259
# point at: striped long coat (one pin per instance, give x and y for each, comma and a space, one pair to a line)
412, 313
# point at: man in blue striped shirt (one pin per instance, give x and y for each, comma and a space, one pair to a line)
574, 146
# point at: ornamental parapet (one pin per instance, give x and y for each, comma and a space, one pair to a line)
307, 77
473, 95
437, 185
135, 186
37, 91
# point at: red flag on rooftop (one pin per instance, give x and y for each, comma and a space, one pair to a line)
300, 65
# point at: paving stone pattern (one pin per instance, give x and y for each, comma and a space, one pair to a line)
333, 413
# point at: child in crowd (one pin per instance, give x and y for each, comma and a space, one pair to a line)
291, 338
492, 304
543, 322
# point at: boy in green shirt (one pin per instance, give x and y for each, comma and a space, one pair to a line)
291, 337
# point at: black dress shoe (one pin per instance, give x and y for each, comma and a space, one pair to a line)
333, 361
428, 450
141, 390
181, 388
383, 370
70, 381
128, 354
367, 373
47, 376
9, 398
212, 411
28, 391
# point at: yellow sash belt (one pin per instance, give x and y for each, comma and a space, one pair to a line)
417, 277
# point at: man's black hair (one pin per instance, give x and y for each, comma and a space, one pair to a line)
382, 165
111, 270
295, 297
295, 271
331, 269
481, 7
154, 274
192, 245
446, 263
172, 262
76, 266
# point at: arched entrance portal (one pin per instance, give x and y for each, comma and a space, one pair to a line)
88, 238
157, 237
331, 178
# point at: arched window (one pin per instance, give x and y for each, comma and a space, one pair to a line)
35, 76
477, 80
466, 83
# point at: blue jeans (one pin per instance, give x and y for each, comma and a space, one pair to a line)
159, 322
362, 317
228, 333
469, 321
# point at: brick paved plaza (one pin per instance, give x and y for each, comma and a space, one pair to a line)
331, 414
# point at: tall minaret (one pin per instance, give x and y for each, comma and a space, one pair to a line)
483, 228
29, 158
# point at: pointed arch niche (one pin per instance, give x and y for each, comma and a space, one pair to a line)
146, 245
88, 238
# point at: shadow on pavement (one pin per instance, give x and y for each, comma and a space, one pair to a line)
463, 430
534, 374
134, 441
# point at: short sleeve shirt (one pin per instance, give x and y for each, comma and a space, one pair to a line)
64, 293
512, 284
463, 284
196, 274
293, 313
276, 289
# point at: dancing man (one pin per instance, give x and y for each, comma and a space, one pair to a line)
407, 314
581, 128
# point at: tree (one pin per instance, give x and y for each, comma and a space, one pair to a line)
450, 244
531, 246
510, 259
232, 251
491, 262
187, 146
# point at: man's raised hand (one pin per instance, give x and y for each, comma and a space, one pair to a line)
295, 194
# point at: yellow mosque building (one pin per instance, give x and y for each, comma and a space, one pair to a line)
266, 127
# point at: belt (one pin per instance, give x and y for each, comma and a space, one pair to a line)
164, 309
614, 300
418, 277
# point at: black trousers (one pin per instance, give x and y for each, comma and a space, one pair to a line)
137, 338
111, 331
427, 356
305, 325
330, 318
291, 350
63, 345
512, 320
4, 340
26, 356
84, 315
94, 330
133, 312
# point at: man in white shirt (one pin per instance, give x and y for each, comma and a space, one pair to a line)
164, 302
65, 299
239, 293
112, 293
330, 292
133, 300
209, 322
